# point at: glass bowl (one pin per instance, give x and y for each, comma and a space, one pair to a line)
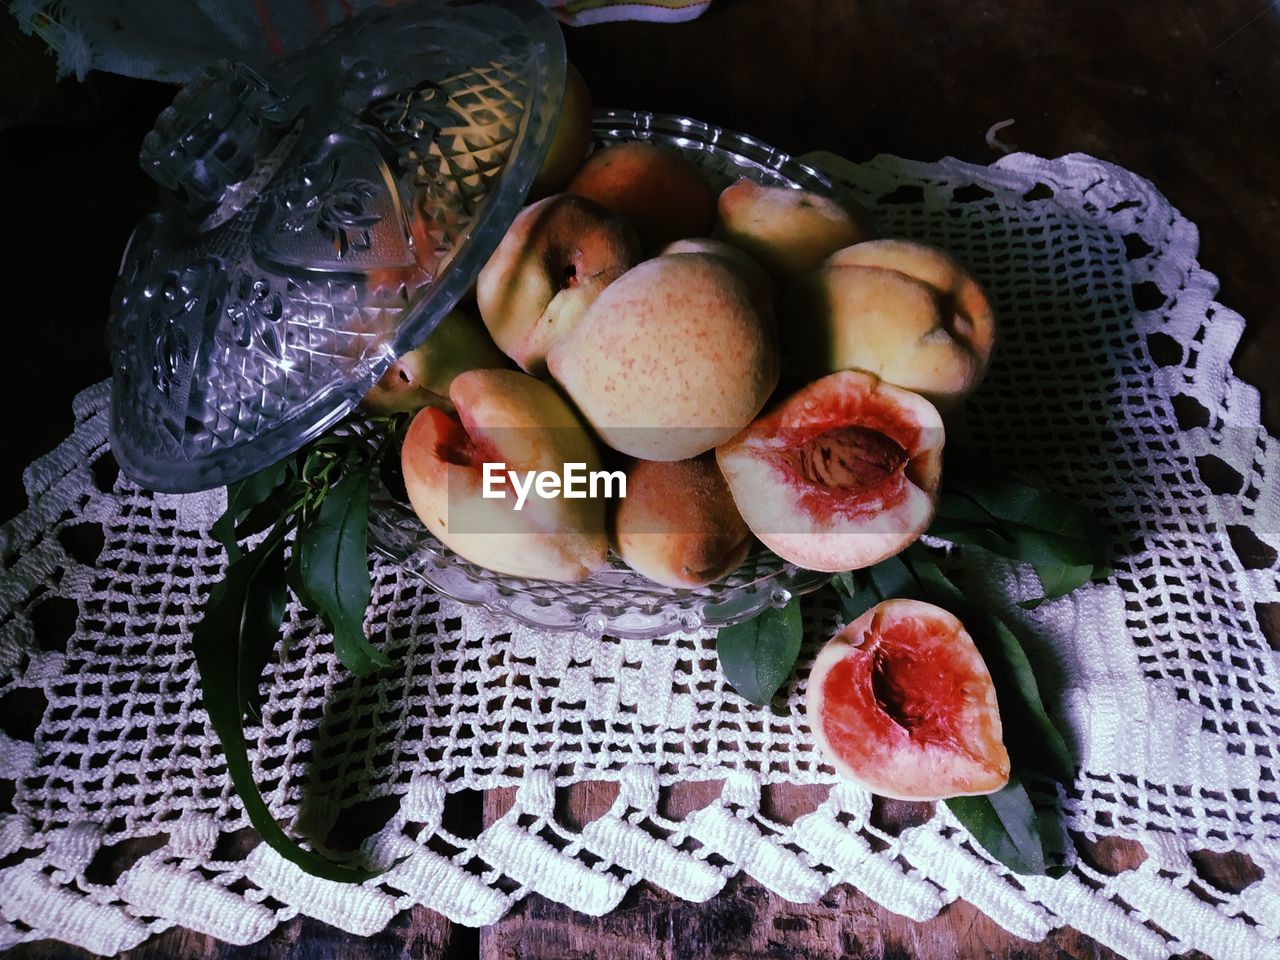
616, 600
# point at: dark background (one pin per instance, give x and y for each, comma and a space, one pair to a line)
1186, 95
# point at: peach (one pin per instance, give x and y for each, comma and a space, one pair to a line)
901, 702
678, 525
762, 289
422, 377
841, 475
509, 418
907, 312
570, 138
787, 231
555, 259
671, 360
663, 195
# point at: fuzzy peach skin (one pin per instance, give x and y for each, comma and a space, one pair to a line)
570, 138
901, 702
678, 525
787, 231
422, 376
907, 312
841, 475
671, 360
663, 195
554, 260
508, 417
763, 292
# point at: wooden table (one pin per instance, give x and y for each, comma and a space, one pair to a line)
1188, 97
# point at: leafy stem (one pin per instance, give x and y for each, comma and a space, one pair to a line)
321, 496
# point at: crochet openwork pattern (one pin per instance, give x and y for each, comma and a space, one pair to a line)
1111, 384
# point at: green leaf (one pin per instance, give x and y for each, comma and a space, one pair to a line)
1018, 543
333, 567
219, 645
985, 507
293, 577
846, 583
1053, 838
757, 656
242, 497
1006, 825
1012, 501
1057, 580
262, 613
856, 592
1033, 741
893, 578
265, 515
1006, 497
961, 509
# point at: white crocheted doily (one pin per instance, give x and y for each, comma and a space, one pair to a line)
1111, 385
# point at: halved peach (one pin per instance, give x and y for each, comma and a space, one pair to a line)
901, 702
841, 475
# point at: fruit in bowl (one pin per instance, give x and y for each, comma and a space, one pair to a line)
422, 377
556, 258
841, 475
673, 363
907, 312
678, 524
662, 194
509, 418
789, 232
673, 358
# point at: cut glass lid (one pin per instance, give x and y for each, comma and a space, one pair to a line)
319, 218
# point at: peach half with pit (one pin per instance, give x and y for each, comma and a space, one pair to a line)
673, 358
901, 702
841, 475
554, 260
514, 422
905, 311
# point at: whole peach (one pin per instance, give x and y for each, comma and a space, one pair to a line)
907, 312
678, 524
422, 377
673, 358
570, 138
787, 231
662, 195
554, 260
514, 422
762, 288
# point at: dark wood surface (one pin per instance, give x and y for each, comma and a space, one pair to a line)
1187, 95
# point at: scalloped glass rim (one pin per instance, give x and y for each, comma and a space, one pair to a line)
616, 600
